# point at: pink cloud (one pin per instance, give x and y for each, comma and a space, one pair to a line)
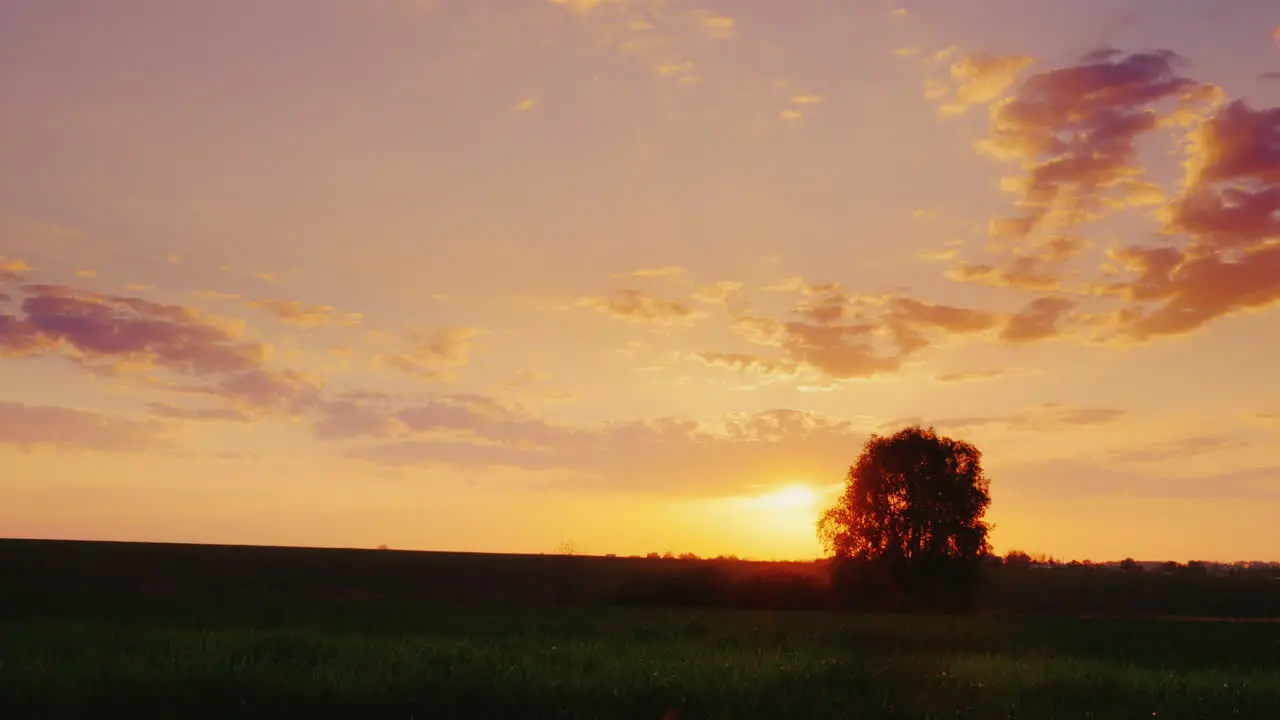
31, 426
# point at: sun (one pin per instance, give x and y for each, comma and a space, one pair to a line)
792, 496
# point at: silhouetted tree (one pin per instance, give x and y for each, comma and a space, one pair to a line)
1017, 559
1130, 565
909, 525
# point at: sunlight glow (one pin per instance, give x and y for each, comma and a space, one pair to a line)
792, 496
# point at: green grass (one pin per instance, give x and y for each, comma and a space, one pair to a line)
195, 659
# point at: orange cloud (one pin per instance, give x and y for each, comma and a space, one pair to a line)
12, 269
1229, 212
970, 375
1037, 321
431, 355
1076, 129
175, 412
843, 337
672, 271
713, 24
1034, 266
717, 292
1047, 416
980, 79
1175, 449
668, 454
661, 36
743, 361
296, 313
18, 338
29, 426
636, 306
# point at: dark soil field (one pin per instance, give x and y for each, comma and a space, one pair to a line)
142, 631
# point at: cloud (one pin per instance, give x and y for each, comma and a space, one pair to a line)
790, 114
296, 313
636, 306
808, 99
1229, 212
526, 104
1048, 416
113, 327
1037, 321
263, 277
1075, 131
1176, 449
715, 25
673, 271
668, 454
30, 426
107, 333
1265, 419
12, 270
661, 36
840, 336
743, 361
1037, 265
962, 376
18, 338
1081, 479
1268, 76
980, 79
175, 412
717, 292
580, 5
432, 354
283, 391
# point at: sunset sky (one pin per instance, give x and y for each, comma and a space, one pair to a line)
637, 275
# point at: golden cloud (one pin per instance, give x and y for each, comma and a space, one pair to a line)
12, 269
431, 355
717, 292
30, 426
657, 272
1075, 131
296, 313
980, 79
637, 306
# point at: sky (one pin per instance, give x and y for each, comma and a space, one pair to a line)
635, 276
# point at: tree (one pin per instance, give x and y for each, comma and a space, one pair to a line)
909, 523
1130, 565
1017, 559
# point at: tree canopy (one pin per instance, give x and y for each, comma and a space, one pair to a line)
913, 505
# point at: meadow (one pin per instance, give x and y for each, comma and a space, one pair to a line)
191, 658
90, 630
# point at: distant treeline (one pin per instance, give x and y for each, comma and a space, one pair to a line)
1015, 584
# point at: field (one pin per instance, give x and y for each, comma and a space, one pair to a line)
189, 658
80, 637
